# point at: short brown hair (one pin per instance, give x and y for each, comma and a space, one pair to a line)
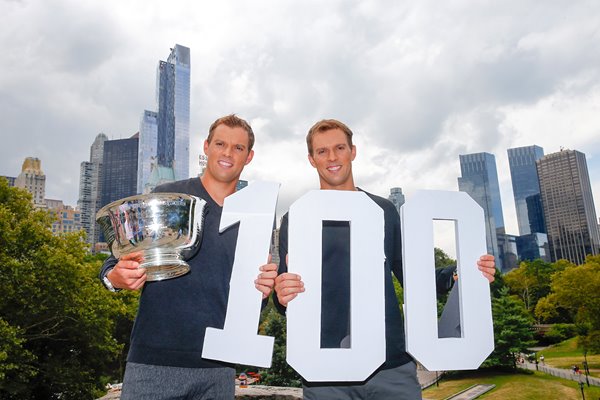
232, 121
327, 125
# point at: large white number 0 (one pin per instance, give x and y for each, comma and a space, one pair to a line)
367, 321
422, 341
238, 341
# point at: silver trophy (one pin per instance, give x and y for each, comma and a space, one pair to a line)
165, 227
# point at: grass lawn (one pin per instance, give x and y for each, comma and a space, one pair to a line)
517, 386
566, 354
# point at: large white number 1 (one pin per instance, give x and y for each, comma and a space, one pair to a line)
367, 321
477, 336
238, 341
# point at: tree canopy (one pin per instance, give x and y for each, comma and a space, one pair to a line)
280, 373
58, 325
577, 290
531, 281
512, 330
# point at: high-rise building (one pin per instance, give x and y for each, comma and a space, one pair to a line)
180, 58
119, 169
147, 160
33, 180
164, 135
396, 197
479, 179
526, 188
90, 189
568, 206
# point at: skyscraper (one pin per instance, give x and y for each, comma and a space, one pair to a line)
396, 197
148, 141
568, 206
526, 188
119, 169
479, 179
33, 179
164, 135
90, 174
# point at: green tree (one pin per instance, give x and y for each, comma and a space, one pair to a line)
512, 330
15, 360
532, 280
441, 259
280, 373
577, 290
57, 323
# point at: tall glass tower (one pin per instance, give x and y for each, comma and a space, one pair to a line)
568, 206
165, 134
147, 148
90, 189
180, 58
526, 188
479, 179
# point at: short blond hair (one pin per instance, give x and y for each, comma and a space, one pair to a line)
232, 121
324, 126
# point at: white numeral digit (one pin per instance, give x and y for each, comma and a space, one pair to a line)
422, 341
367, 326
238, 341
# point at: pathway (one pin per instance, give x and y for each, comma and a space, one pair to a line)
472, 392
560, 372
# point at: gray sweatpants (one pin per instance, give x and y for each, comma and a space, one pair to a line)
156, 382
398, 383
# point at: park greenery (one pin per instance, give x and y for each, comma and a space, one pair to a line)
568, 353
562, 294
512, 331
62, 335
521, 385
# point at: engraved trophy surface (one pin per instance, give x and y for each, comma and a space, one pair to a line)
165, 227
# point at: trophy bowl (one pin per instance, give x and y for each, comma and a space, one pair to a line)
165, 227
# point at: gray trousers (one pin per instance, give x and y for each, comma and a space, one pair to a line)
156, 382
398, 383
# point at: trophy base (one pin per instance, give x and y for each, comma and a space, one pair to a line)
161, 265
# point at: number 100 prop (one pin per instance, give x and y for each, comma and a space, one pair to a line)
254, 208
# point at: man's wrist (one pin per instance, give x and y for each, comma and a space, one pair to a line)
107, 283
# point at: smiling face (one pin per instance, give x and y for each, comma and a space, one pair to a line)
228, 152
332, 156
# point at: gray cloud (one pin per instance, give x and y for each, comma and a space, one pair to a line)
419, 82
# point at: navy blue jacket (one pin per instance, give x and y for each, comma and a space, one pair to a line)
173, 314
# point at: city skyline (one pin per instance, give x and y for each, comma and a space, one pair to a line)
487, 78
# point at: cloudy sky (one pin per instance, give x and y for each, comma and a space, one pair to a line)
419, 82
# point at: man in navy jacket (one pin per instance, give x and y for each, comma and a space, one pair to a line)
331, 152
165, 356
